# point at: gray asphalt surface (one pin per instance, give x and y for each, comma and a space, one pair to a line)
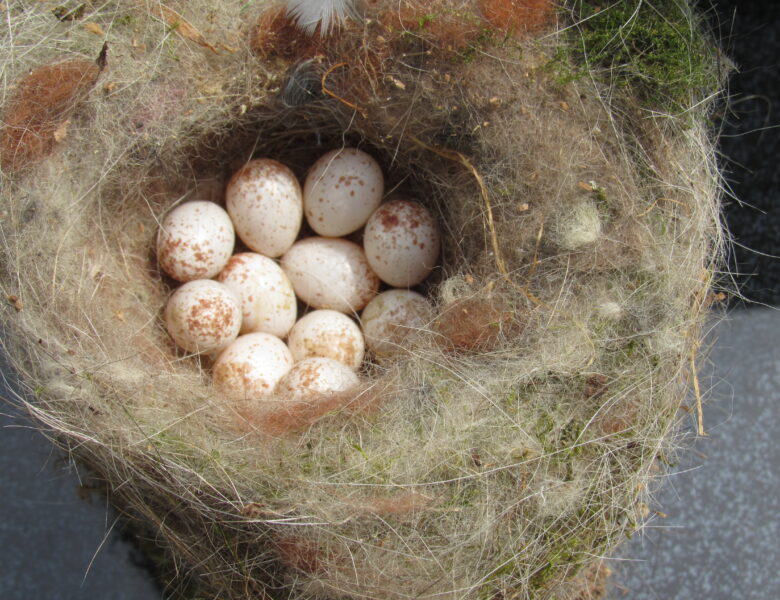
57, 540
721, 538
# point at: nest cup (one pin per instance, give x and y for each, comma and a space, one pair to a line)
507, 445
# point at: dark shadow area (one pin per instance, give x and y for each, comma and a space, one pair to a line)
750, 142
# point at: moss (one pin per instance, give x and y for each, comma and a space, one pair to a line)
564, 554
463, 496
124, 21
424, 20
469, 53
656, 50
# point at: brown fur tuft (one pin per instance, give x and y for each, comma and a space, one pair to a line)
38, 111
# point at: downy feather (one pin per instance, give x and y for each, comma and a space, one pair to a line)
325, 14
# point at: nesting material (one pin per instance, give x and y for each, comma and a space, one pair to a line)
577, 225
495, 453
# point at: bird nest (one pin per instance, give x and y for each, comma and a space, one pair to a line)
510, 445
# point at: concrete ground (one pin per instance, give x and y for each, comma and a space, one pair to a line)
58, 541
720, 538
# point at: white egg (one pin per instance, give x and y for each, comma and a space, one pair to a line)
265, 202
251, 367
195, 241
402, 242
341, 191
313, 377
330, 273
267, 297
392, 318
203, 316
328, 334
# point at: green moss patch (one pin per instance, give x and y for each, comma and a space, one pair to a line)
655, 50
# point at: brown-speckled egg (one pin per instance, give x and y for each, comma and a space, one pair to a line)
203, 316
328, 334
330, 273
195, 241
250, 367
265, 202
392, 318
267, 297
317, 376
402, 242
341, 191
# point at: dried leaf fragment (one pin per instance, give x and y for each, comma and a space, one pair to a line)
15, 302
585, 186
62, 131
396, 82
94, 28
180, 25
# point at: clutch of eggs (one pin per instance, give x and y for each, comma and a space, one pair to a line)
239, 308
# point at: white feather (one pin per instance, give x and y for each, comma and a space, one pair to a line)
326, 14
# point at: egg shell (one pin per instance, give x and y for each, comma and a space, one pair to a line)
341, 191
195, 241
328, 334
402, 242
203, 316
267, 296
392, 318
318, 376
265, 202
252, 366
331, 274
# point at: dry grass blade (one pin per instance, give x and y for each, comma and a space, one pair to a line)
485, 194
483, 190
697, 392
334, 95
180, 25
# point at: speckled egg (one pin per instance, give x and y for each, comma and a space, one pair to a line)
265, 202
392, 318
328, 334
330, 273
203, 316
267, 297
251, 366
402, 242
313, 377
195, 241
341, 191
